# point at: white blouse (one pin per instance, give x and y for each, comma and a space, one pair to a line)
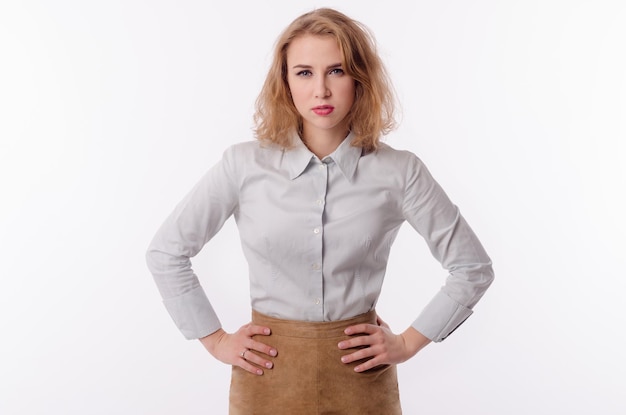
317, 235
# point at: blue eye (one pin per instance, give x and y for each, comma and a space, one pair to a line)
304, 72
337, 71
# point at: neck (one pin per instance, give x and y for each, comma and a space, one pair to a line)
323, 143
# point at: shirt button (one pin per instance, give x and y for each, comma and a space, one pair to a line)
320, 201
317, 301
315, 266
316, 230
321, 167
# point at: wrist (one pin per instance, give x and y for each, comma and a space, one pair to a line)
414, 341
209, 342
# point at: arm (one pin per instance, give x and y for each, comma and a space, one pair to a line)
194, 221
452, 242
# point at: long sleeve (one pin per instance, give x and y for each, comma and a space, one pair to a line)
316, 235
194, 221
453, 243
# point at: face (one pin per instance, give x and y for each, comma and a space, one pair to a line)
321, 91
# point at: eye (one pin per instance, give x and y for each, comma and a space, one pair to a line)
304, 72
336, 71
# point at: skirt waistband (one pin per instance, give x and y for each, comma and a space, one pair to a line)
311, 329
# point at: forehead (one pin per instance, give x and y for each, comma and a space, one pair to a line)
311, 49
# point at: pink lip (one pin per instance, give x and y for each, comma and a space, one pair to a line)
323, 109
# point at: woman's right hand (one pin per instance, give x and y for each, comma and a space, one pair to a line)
240, 349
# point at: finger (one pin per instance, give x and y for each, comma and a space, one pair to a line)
359, 355
253, 329
357, 341
376, 334
353, 357
381, 322
247, 366
262, 348
252, 357
361, 328
369, 364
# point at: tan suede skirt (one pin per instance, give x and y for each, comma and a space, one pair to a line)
309, 378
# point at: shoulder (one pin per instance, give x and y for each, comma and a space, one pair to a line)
251, 147
250, 150
402, 159
242, 148
250, 157
404, 165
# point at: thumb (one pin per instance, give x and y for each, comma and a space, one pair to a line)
380, 322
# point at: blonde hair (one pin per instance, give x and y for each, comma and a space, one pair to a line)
372, 114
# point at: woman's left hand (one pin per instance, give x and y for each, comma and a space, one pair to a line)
381, 345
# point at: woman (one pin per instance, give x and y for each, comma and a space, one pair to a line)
318, 201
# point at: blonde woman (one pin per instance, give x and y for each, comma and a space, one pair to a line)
318, 200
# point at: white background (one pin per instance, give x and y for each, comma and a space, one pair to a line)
111, 110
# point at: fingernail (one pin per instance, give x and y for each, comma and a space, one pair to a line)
273, 352
259, 372
266, 331
347, 331
344, 359
357, 369
340, 345
268, 365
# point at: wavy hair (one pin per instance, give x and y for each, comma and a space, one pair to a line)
372, 114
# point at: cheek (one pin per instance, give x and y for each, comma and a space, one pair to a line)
347, 91
296, 93
348, 95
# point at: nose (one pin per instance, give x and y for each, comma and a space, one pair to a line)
321, 88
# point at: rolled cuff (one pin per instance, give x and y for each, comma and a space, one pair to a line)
441, 317
193, 314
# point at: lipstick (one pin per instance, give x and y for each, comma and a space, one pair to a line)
323, 109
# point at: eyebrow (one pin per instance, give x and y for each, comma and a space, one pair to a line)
333, 66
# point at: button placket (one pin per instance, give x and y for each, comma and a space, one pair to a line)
317, 233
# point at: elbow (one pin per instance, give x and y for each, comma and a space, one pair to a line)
487, 276
152, 258
482, 281
148, 257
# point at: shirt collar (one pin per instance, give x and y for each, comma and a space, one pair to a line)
297, 158
345, 156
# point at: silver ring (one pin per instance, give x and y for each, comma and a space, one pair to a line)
243, 354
